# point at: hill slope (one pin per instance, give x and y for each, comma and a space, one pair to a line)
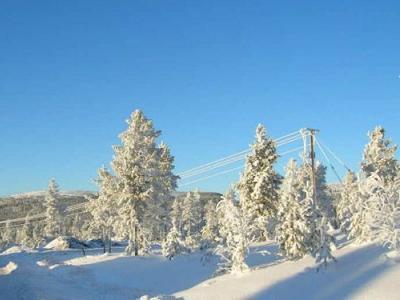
362, 272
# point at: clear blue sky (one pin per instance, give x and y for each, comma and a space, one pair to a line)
206, 72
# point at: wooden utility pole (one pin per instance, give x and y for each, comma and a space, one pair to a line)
312, 158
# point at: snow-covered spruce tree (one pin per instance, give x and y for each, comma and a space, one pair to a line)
25, 234
292, 229
379, 156
235, 237
324, 199
53, 212
209, 232
259, 184
326, 244
379, 171
76, 225
347, 201
378, 214
319, 242
165, 183
135, 166
173, 245
103, 208
388, 213
8, 234
176, 215
37, 234
312, 215
191, 219
361, 219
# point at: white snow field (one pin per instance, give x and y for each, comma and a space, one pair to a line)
362, 272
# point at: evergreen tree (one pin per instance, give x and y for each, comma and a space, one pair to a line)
235, 238
37, 234
388, 213
209, 232
9, 234
378, 175
176, 215
25, 236
346, 202
362, 218
134, 165
312, 216
165, 183
259, 183
173, 244
103, 208
324, 199
191, 219
53, 211
379, 156
292, 230
326, 244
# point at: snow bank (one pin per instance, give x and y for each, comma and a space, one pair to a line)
17, 249
92, 259
8, 269
160, 297
65, 242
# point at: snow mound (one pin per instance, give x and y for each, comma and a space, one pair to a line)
393, 255
65, 242
42, 263
16, 249
160, 297
8, 269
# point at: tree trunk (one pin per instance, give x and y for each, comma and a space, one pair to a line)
136, 241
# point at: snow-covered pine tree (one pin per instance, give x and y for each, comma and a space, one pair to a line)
312, 216
346, 203
37, 234
209, 232
135, 165
165, 184
25, 234
8, 234
191, 219
319, 242
292, 229
176, 215
360, 226
324, 199
326, 244
388, 213
379, 170
379, 156
173, 245
259, 184
53, 212
104, 207
235, 238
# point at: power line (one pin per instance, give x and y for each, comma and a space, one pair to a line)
228, 160
335, 156
233, 169
328, 160
278, 141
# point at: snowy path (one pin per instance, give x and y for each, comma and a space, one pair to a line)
360, 273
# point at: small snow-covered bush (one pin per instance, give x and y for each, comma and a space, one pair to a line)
173, 245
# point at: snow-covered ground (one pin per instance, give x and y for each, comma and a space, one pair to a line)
363, 272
